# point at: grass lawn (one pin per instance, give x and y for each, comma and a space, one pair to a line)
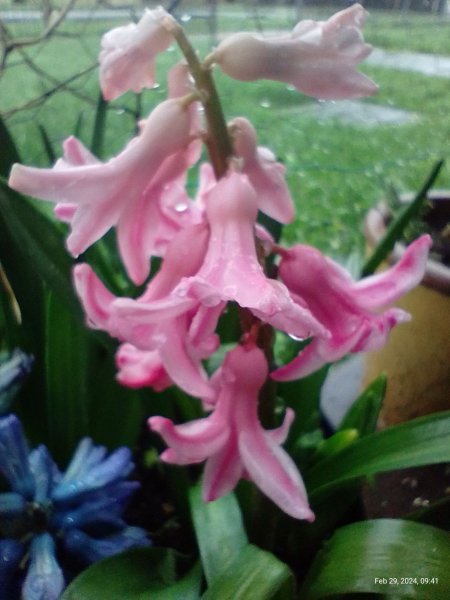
336, 171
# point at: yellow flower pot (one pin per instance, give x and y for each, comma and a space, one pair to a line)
416, 358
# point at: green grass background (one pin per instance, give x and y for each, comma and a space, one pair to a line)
336, 171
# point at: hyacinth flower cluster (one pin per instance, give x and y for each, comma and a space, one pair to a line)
212, 247
52, 521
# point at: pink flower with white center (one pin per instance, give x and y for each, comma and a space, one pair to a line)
115, 192
345, 307
231, 270
140, 368
318, 58
232, 441
128, 54
265, 174
178, 329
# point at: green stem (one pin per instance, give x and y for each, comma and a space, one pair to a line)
218, 140
220, 150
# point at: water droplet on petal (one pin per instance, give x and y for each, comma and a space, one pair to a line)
296, 338
180, 207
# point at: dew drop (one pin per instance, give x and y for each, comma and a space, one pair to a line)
296, 338
265, 103
180, 207
185, 18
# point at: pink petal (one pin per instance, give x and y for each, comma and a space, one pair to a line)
231, 270
318, 58
139, 368
280, 434
96, 299
194, 441
275, 473
128, 53
264, 173
103, 192
181, 363
222, 472
386, 287
76, 153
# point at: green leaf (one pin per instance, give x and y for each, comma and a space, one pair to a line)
337, 442
398, 225
252, 574
363, 414
29, 238
219, 530
98, 133
303, 396
187, 588
385, 556
419, 442
139, 574
9, 154
68, 348
47, 145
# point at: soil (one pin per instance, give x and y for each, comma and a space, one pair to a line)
419, 492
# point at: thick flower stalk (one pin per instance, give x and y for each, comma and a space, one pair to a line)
214, 250
49, 515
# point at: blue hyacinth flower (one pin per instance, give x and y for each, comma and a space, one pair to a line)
14, 368
50, 520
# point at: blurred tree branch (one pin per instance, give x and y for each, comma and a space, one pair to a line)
53, 20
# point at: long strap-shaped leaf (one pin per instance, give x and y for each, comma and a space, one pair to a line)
219, 530
419, 442
29, 240
398, 225
385, 556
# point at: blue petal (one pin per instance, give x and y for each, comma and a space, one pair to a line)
14, 456
12, 371
44, 471
11, 504
90, 549
85, 457
44, 580
95, 474
104, 505
11, 552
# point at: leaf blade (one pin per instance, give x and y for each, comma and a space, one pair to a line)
382, 556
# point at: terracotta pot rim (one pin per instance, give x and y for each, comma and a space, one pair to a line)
437, 275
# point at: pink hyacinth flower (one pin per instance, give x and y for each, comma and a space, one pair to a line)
231, 270
115, 192
347, 308
318, 58
179, 329
128, 54
232, 441
265, 174
140, 368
